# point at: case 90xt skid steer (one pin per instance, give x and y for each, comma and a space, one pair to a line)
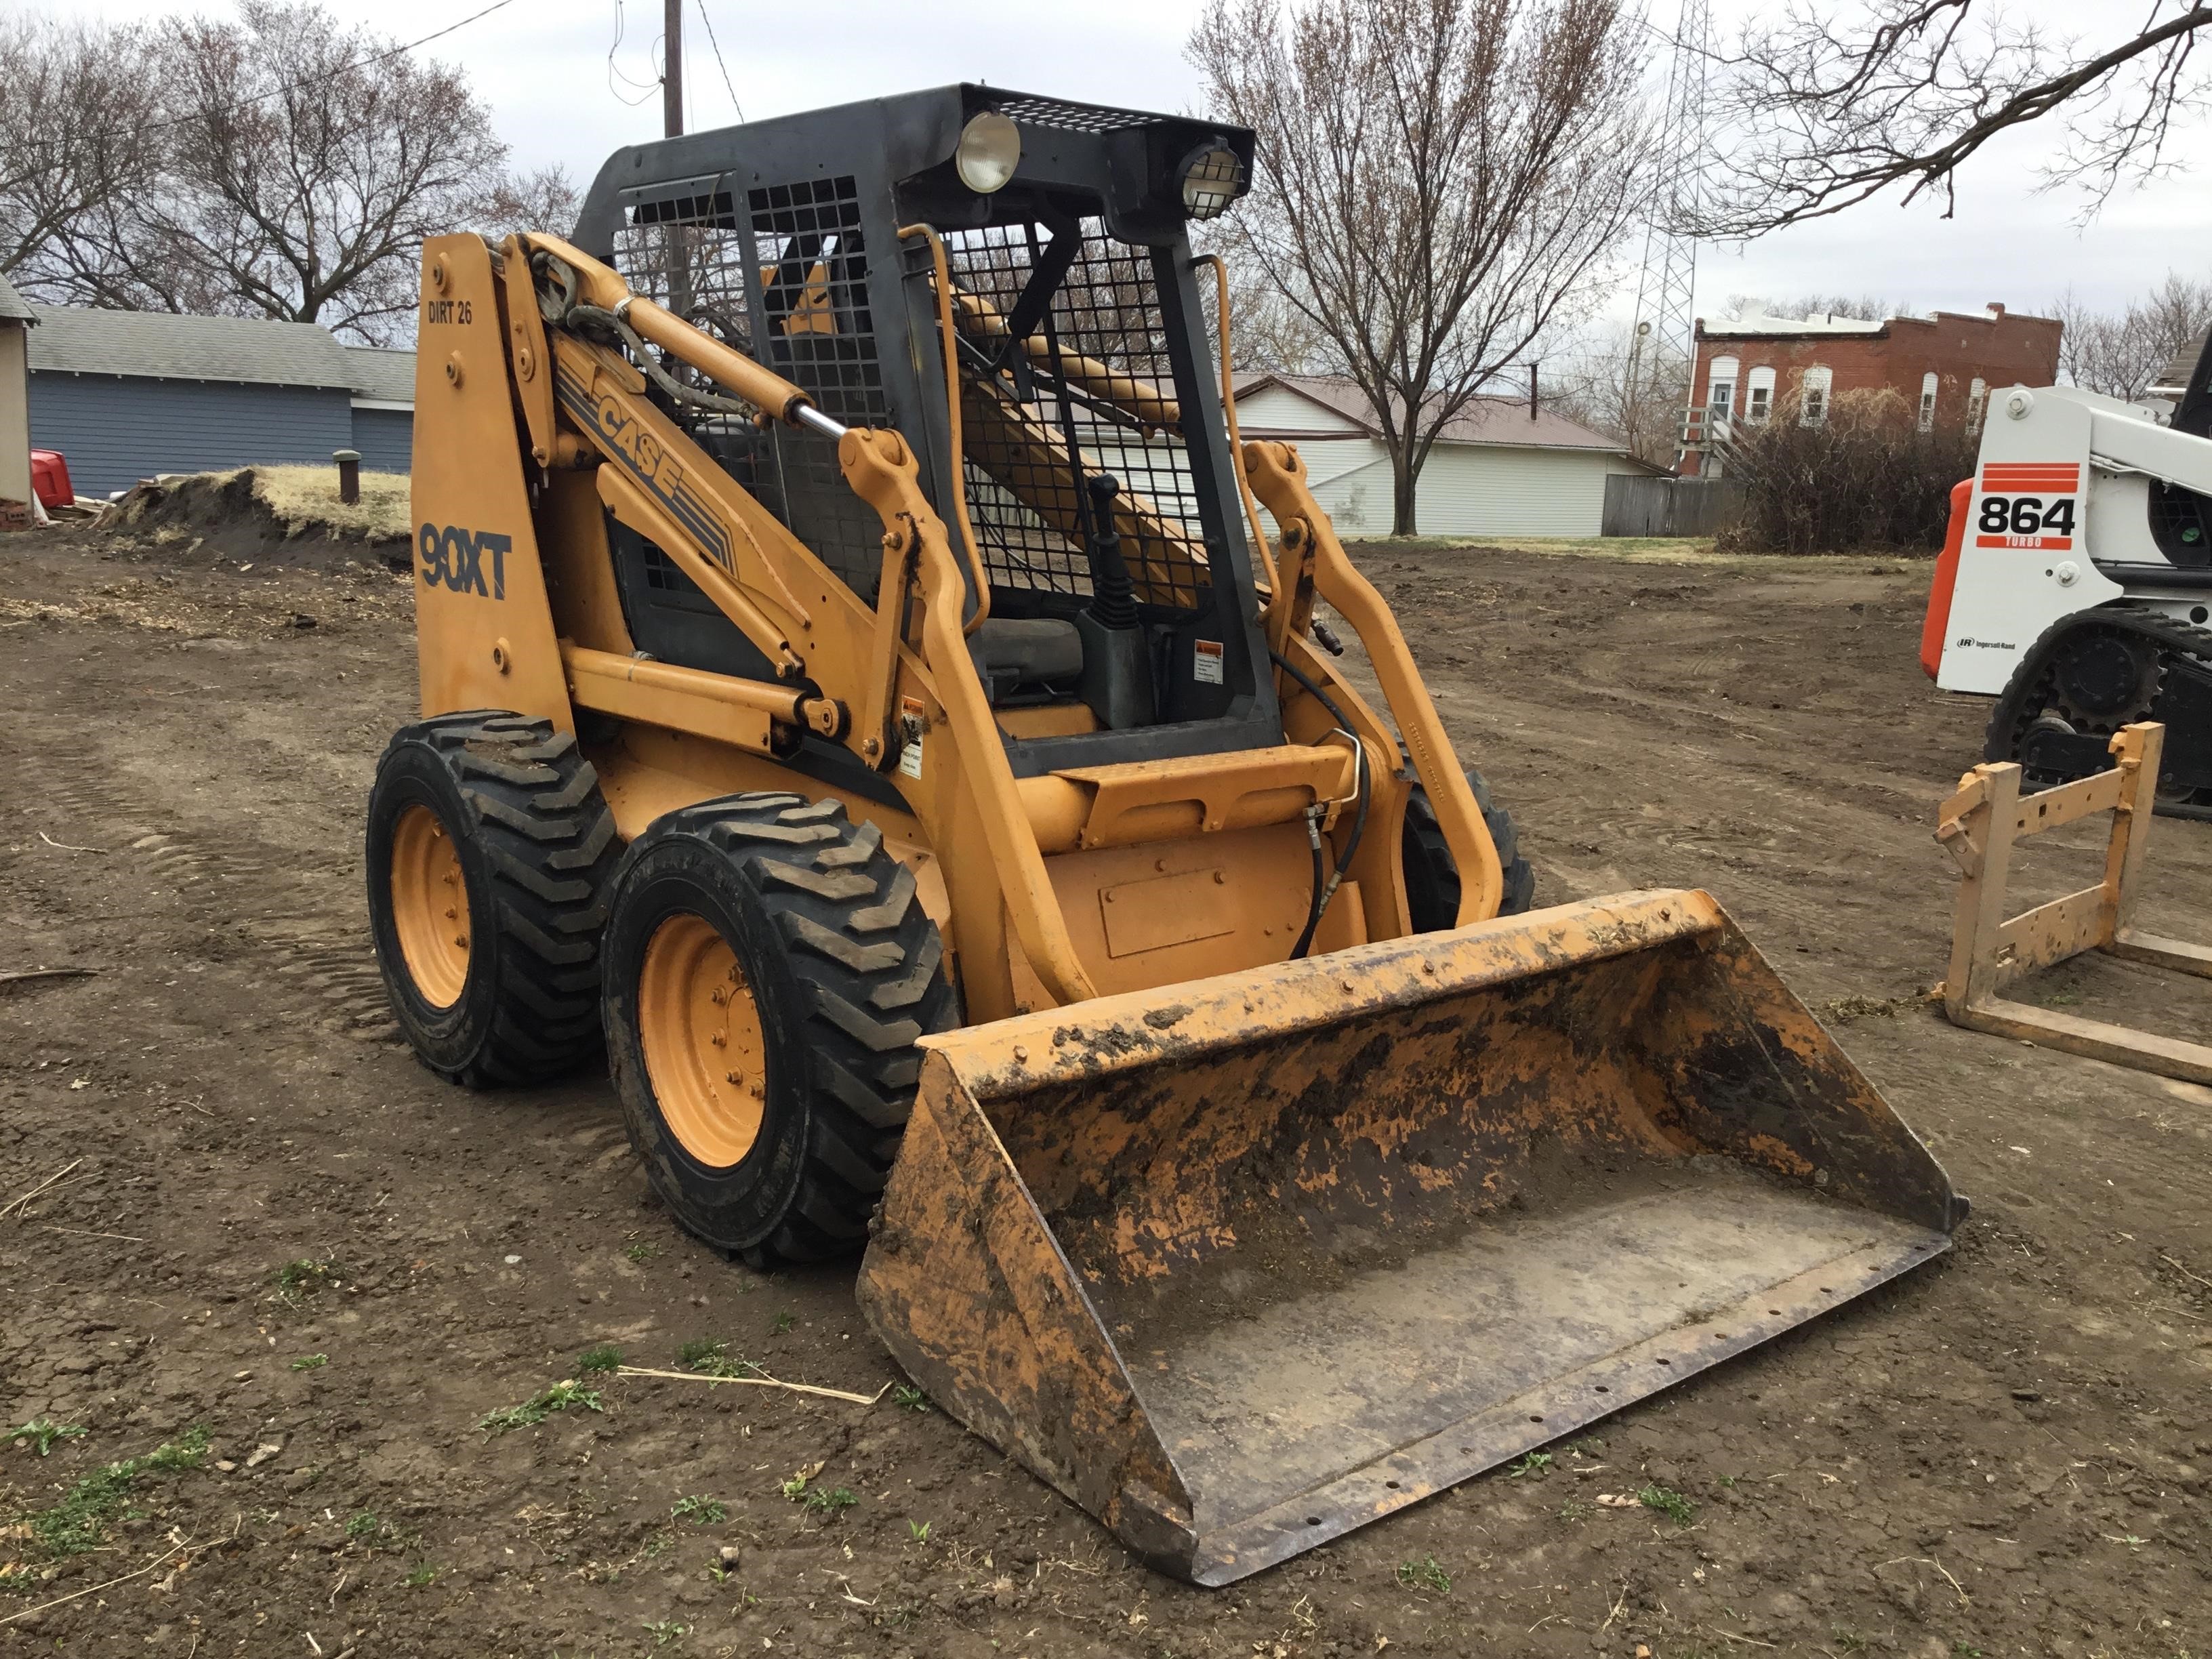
847, 677
2076, 584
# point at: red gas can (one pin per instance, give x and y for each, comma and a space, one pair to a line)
49, 478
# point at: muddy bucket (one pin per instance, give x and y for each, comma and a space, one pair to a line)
1244, 1263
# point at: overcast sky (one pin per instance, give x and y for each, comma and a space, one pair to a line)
545, 66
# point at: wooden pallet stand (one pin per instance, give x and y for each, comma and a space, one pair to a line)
1979, 825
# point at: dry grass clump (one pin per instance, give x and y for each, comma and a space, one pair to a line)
305, 497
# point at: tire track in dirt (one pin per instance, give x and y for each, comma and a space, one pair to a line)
273, 905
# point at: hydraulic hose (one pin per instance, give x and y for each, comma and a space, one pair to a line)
1325, 882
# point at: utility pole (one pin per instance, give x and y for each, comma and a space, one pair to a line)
671, 73
672, 121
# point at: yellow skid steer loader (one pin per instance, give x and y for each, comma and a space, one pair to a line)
859, 688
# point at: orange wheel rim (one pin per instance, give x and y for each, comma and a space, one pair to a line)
705, 1055
430, 906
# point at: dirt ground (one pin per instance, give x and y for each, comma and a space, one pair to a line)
2007, 1452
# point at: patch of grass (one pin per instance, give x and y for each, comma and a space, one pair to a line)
42, 1432
1669, 1503
710, 1357
311, 1362
421, 1575
1528, 1463
658, 1545
1842, 1010
1575, 1510
907, 1397
784, 1321
664, 1631
1849, 1640
918, 1531
79, 1522
306, 495
830, 1501
1965, 1650
295, 1281
602, 1357
372, 1532
705, 1511
1423, 1575
561, 1397
640, 1252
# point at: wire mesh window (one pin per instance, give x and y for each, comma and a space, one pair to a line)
801, 246
1066, 375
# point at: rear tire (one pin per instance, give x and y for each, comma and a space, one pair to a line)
1432, 885
490, 849
769, 969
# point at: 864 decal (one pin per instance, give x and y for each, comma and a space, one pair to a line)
2028, 504
2024, 515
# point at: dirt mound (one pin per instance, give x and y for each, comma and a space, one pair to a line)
268, 516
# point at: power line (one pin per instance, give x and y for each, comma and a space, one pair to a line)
282, 87
719, 63
644, 89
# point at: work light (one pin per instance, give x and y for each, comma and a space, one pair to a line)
990, 150
1210, 178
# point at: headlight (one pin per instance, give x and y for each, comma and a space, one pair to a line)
1210, 179
990, 150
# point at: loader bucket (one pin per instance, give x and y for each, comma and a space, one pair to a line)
1243, 1263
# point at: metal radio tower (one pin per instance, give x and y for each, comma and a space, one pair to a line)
1661, 355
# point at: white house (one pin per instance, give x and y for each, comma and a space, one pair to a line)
1497, 470
16, 319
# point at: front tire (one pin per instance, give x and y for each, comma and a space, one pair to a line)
490, 849
768, 970
1433, 885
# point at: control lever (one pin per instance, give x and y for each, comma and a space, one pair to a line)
1117, 658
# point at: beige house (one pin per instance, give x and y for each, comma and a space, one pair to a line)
16, 323
1497, 469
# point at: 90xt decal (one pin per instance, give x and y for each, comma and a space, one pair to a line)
453, 559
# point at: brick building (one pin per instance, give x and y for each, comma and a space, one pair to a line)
1755, 368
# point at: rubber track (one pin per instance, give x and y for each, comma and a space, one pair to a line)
1425, 834
871, 964
2029, 692
549, 841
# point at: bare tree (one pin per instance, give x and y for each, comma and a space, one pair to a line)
298, 165
79, 105
2121, 354
1598, 381
1439, 182
1866, 308
1837, 102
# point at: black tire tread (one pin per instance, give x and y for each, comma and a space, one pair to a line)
2023, 696
870, 961
1424, 840
549, 838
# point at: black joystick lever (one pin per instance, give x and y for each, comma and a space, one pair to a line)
1113, 595
1117, 658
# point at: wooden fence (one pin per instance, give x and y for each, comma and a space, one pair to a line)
1637, 506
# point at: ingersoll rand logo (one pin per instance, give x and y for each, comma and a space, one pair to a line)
464, 561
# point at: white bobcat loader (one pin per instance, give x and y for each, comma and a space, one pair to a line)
2076, 584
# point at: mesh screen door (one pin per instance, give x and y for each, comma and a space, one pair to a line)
1088, 388
785, 283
